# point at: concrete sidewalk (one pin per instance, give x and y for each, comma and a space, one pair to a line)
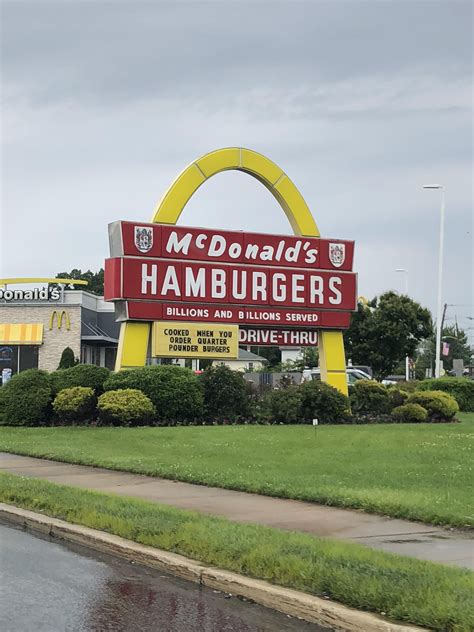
397, 536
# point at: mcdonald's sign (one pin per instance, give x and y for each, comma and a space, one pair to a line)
59, 317
160, 272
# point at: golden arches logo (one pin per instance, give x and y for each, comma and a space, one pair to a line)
134, 336
59, 317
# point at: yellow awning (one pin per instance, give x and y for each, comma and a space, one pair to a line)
21, 333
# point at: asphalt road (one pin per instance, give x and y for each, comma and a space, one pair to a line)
57, 587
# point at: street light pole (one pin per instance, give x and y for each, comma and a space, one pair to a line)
407, 361
440, 187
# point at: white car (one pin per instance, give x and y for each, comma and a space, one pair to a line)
389, 382
353, 375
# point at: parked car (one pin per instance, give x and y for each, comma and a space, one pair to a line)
392, 380
364, 369
352, 374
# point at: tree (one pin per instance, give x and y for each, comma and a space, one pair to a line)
459, 348
309, 358
95, 280
271, 354
382, 333
67, 359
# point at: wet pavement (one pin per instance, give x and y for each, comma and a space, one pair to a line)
415, 539
47, 586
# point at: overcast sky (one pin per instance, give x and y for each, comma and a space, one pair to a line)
361, 103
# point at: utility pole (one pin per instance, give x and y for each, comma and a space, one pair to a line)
439, 361
443, 317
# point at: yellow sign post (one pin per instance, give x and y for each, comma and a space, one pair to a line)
195, 340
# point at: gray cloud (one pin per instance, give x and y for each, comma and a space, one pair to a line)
360, 102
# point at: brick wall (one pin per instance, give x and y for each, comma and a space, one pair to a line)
55, 339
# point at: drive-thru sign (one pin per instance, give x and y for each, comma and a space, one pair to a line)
277, 289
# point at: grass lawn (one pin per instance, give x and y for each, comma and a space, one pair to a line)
405, 589
415, 471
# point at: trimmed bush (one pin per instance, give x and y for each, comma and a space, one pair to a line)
409, 387
410, 414
75, 404
323, 402
440, 406
397, 397
67, 359
259, 409
285, 405
369, 396
26, 399
127, 407
226, 394
80, 375
175, 392
461, 388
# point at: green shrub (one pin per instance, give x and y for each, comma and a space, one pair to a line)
127, 407
397, 397
75, 404
369, 396
26, 399
259, 408
80, 375
285, 405
226, 395
410, 414
440, 406
175, 392
461, 388
67, 359
409, 387
323, 402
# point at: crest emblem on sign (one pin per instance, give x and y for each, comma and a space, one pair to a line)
337, 254
143, 238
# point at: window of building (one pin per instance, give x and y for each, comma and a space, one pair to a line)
19, 357
90, 355
9, 358
110, 354
29, 355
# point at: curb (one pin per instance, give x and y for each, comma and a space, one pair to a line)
285, 600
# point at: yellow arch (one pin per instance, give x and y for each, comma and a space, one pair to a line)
15, 281
263, 169
59, 317
133, 341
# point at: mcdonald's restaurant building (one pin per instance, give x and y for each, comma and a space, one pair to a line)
33, 334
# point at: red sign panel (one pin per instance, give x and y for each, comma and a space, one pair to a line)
167, 280
202, 244
278, 337
188, 312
